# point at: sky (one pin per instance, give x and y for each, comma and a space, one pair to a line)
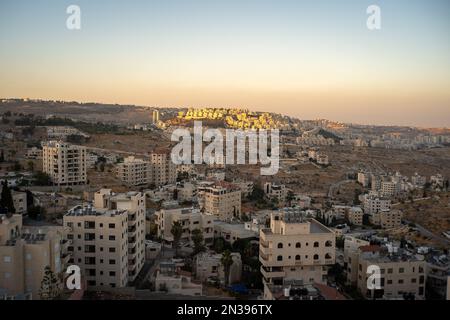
309, 59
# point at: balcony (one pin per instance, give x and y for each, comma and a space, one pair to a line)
272, 274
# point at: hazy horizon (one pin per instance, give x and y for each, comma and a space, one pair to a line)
310, 60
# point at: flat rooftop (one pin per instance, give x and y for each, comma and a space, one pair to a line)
90, 211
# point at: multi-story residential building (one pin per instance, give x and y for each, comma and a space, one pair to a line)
101, 246
64, 163
25, 252
164, 170
208, 266
355, 216
190, 219
418, 181
134, 172
351, 257
221, 199
295, 249
374, 204
386, 219
34, 153
389, 188
134, 204
390, 219
437, 181
402, 274
438, 270
278, 191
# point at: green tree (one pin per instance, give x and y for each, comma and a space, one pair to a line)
197, 238
257, 193
6, 200
227, 262
49, 285
177, 232
42, 179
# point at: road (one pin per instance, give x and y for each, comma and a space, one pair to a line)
429, 234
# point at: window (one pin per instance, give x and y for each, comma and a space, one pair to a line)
297, 257
413, 280
112, 238
112, 273
7, 275
401, 270
328, 256
280, 246
400, 281
280, 258
389, 282
298, 245
316, 244
112, 261
7, 259
28, 256
390, 270
112, 225
112, 249
328, 244
316, 257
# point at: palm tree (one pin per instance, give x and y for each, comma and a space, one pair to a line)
177, 232
227, 262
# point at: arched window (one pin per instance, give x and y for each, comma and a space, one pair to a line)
297, 257
316, 257
328, 256
316, 244
298, 245
328, 244
280, 246
280, 258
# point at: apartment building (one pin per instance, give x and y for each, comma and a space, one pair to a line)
134, 204
373, 204
221, 199
135, 172
387, 219
25, 252
64, 163
190, 220
402, 273
100, 245
164, 170
278, 191
389, 188
295, 249
351, 257
355, 216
